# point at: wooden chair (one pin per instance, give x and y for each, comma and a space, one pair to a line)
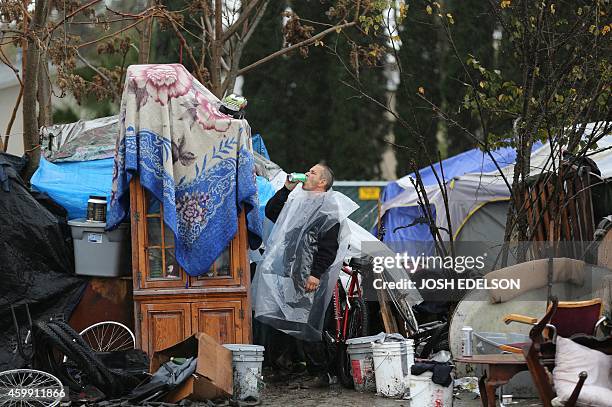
571, 318
541, 354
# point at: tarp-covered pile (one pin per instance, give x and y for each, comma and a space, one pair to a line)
36, 261
77, 162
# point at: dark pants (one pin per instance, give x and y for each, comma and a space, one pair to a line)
317, 358
283, 350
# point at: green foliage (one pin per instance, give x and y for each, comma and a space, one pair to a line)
64, 115
303, 110
561, 50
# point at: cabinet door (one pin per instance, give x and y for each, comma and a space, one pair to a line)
222, 320
158, 266
164, 325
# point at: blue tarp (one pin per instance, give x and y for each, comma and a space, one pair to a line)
471, 161
70, 184
265, 191
259, 146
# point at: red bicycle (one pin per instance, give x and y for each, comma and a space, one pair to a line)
350, 318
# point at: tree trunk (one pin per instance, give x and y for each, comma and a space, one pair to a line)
45, 111
144, 48
217, 51
31, 143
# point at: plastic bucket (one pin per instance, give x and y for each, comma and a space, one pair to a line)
247, 363
362, 366
392, 363
425, 393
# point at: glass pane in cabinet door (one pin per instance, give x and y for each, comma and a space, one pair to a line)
221, 266
154, 231
168, 236
153, 204
173, 269
156, 263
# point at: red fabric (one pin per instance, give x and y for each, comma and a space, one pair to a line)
578, 320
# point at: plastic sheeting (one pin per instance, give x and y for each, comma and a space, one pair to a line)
70, 184
279, 295
36, 263
85, 140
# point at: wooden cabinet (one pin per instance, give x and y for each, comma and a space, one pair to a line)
170, 305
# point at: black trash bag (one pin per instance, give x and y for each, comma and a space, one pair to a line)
36, 262
169, 376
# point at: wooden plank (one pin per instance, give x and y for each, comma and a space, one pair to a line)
537, 216
545, 214
587, 202
386, 313
565, 229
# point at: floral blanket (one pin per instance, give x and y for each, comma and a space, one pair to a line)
193, 158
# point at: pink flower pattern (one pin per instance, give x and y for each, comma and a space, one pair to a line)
163, 82
209, 116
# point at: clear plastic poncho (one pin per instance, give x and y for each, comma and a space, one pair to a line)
279, 296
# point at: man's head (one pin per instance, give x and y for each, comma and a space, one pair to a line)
320, 178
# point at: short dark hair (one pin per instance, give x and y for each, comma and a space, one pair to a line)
328, 174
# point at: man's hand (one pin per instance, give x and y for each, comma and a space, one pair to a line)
290, 185
312, 284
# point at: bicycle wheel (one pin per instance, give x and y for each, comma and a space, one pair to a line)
109, 336
357, 326
28, 387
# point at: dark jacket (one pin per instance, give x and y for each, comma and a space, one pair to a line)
327, 243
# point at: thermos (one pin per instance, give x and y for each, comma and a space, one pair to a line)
297, 177
466, 341
96, 209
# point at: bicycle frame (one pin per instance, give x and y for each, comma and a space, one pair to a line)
341, 316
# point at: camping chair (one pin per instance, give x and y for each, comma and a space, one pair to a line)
570, 318
541, 353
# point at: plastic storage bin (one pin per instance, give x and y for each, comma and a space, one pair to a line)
100, 253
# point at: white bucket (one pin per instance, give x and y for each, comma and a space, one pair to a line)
247, 363
425, 393
392, 363
362, 365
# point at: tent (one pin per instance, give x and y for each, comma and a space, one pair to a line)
398, 211
476, 199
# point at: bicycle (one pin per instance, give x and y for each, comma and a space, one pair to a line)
28, 386
350, 317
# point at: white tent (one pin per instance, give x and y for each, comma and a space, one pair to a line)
470, 192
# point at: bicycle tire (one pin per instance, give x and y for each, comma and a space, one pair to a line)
88, 362
46, 343
358, 322
126, 380
120, 378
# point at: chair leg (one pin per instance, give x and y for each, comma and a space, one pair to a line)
483, 390
571, 402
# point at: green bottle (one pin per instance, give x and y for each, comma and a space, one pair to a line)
297, 177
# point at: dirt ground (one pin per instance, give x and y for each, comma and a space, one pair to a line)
291, 393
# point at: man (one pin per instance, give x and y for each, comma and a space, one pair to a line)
304, 247
319, 178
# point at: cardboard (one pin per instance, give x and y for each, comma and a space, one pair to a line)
213, 377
